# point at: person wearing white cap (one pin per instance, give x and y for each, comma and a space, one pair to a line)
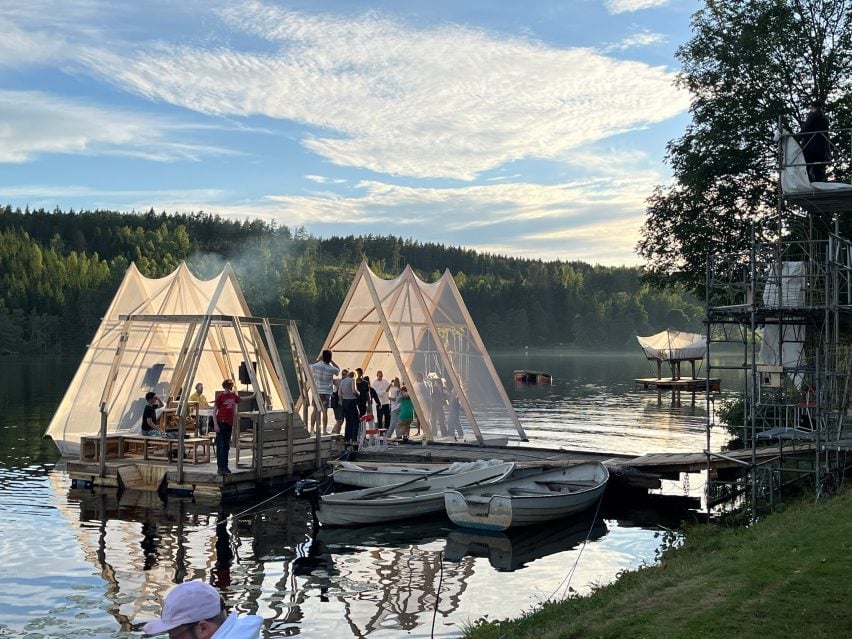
196, 610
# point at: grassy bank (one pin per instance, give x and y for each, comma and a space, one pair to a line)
787, 576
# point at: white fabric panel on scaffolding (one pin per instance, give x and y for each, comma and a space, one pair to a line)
794, 171
783, 346
153, 350
418, 331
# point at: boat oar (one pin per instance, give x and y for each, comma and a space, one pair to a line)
396, 487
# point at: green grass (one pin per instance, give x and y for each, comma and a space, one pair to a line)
786, 576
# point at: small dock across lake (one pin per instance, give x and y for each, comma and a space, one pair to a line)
689, 384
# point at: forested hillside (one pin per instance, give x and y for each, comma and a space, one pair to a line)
59, 271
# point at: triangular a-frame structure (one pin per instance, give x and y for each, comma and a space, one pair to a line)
164, 335
408, 328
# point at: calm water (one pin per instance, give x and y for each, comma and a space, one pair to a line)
88, 564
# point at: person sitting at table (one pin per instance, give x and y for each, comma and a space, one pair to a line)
150, 427
204, 422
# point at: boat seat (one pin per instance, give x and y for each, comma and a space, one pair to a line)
529, 491
571, 485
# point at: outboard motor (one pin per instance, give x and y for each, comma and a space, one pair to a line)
310, 489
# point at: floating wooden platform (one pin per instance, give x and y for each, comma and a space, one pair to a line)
146, 472
689, 384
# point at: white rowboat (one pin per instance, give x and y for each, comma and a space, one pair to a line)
527, 499
413, 498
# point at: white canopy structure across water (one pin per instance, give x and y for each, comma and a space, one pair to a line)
674, 347
417, 331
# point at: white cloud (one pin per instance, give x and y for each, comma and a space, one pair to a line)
627, 6
321, 179
36, 123
642, 38
601, 214
447, 102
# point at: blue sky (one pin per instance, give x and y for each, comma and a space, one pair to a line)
535, 129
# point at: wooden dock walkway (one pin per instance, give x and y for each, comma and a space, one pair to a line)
659, 465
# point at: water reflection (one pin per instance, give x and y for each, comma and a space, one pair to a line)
513, 550
99, 564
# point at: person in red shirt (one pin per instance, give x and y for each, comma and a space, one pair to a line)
225, 410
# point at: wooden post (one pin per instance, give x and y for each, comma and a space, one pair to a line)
103, 441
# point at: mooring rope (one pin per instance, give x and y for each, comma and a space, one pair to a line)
438, 591
566, 581
344, 455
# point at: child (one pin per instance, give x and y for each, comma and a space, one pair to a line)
406, 412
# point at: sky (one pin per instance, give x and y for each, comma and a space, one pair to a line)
534, 129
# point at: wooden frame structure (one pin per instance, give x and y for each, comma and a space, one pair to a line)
393, 320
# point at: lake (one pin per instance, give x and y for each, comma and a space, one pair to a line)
90, 564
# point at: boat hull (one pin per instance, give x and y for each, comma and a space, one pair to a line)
532, 377
527, 500
414, 498
373, 477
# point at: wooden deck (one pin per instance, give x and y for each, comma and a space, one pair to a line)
689, 384
285, 451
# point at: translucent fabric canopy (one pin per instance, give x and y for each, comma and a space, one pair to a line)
674, 346
423, 334
165, 335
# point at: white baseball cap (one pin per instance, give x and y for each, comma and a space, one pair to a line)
188, 602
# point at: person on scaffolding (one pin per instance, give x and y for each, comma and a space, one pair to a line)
814, 142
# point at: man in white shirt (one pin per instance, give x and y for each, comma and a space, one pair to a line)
194, 609
381, 386
324, 370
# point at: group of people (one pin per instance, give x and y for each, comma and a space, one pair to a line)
222, 421
352, 396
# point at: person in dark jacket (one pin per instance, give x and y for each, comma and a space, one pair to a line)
815, 146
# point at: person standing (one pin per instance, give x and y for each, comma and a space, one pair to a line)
455, 416
381, 386
337, 402
423, 392
406, 413
348, 399
196, 610
226, 406
439, 400
150, 427
393, 395
815, 146
323, 370
202, 403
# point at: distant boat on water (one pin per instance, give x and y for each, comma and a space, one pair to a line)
524, 376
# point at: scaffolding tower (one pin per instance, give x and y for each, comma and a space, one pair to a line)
787, 303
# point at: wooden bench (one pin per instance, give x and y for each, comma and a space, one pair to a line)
90, 447
196, 449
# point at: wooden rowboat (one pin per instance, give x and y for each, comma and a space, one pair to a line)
527, 499
413, 498
370, 475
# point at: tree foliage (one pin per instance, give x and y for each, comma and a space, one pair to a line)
749, 66
59, 271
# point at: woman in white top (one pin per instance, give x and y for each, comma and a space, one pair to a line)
393, 393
